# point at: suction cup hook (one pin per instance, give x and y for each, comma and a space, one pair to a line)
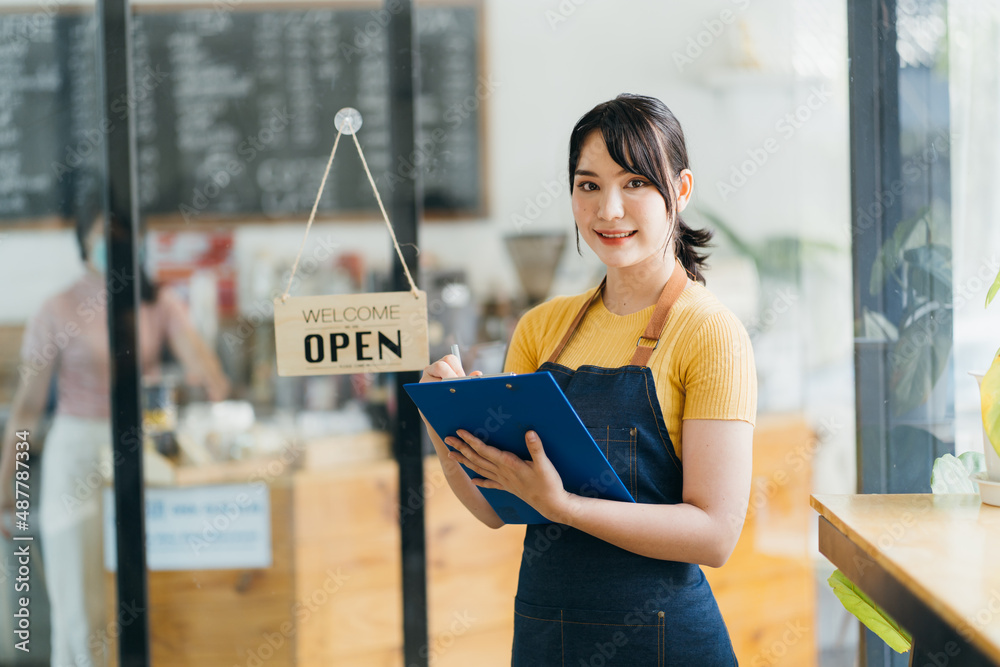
348, 120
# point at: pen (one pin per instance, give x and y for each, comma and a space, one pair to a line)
454, 350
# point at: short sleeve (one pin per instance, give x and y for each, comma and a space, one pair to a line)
720, 377
522, 353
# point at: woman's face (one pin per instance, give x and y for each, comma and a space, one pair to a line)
620, 215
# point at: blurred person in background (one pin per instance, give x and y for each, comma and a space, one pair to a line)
67, 340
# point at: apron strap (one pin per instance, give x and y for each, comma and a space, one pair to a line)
576, 322
671, 291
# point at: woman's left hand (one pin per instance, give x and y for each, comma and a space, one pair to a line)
535, 481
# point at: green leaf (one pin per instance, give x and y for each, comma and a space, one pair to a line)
876, 326
891, 252
919, 358
722, 227
993, 290
869, 613
930, 272
973, 461
950, 475
780, 255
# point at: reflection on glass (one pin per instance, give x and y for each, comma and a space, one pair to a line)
65, 345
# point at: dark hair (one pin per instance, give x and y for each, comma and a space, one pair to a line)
644, 137
88, 213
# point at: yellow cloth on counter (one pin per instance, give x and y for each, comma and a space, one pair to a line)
703, 367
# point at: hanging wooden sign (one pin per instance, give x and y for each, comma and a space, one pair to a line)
384, 332
354, 333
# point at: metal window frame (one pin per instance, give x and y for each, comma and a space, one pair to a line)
885, 464
122, 233
406, 209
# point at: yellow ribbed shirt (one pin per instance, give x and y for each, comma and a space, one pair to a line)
703, 367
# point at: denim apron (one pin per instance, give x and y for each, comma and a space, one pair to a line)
582, 601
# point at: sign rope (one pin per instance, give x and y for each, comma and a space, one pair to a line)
378, 198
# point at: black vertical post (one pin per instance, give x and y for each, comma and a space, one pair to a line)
405, 211
871, 43
115, 57
899, 174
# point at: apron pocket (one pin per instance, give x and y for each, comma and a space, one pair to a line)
548, 636
613, 638
538, 636
618, 444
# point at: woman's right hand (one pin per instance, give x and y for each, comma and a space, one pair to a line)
447, 367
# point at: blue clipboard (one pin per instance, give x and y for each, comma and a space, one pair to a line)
499, 410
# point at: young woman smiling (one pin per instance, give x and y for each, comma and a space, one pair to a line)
656, 367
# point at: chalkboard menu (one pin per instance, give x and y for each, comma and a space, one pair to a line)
234, 110
31, 123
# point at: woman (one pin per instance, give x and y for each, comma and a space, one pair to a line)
68, 339
662, 375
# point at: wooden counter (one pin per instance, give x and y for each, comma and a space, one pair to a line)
347, 522
931, 561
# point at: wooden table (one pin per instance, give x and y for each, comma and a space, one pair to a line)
931, 561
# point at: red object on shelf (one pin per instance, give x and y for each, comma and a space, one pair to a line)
176, 256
